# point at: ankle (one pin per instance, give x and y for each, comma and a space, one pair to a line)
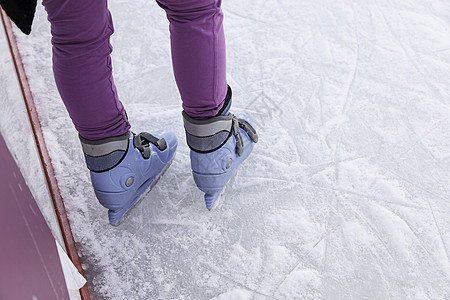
225, 110
205, 136
105, 154
205, 113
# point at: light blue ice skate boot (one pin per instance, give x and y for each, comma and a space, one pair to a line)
218, 146
123, 168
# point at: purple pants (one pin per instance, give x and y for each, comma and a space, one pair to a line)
82, 64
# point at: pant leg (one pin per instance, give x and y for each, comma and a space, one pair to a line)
198, 54
82, 66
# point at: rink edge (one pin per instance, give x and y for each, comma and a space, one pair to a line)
47, 167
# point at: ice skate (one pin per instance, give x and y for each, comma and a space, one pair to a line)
218, 146
123, 168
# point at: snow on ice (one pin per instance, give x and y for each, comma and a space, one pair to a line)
347, 194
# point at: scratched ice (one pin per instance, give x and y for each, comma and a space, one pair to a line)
347, 194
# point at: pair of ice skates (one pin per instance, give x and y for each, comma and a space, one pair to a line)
122, 168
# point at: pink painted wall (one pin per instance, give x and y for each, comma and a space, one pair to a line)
29, 262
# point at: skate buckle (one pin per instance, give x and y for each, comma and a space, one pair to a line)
237, 135
141, 142
248, 128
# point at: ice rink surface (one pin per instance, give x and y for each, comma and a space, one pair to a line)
347, 193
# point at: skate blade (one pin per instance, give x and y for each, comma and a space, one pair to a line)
218, 200
116, 217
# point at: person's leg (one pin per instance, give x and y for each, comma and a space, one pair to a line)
198, 54
219, 141
122, 165
82, 66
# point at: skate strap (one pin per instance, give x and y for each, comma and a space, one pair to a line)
237, 135
248, 128
142, 142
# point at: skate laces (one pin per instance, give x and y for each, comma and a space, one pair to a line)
143, 140
248, 128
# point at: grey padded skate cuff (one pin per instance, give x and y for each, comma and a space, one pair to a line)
206, 136
103, 155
